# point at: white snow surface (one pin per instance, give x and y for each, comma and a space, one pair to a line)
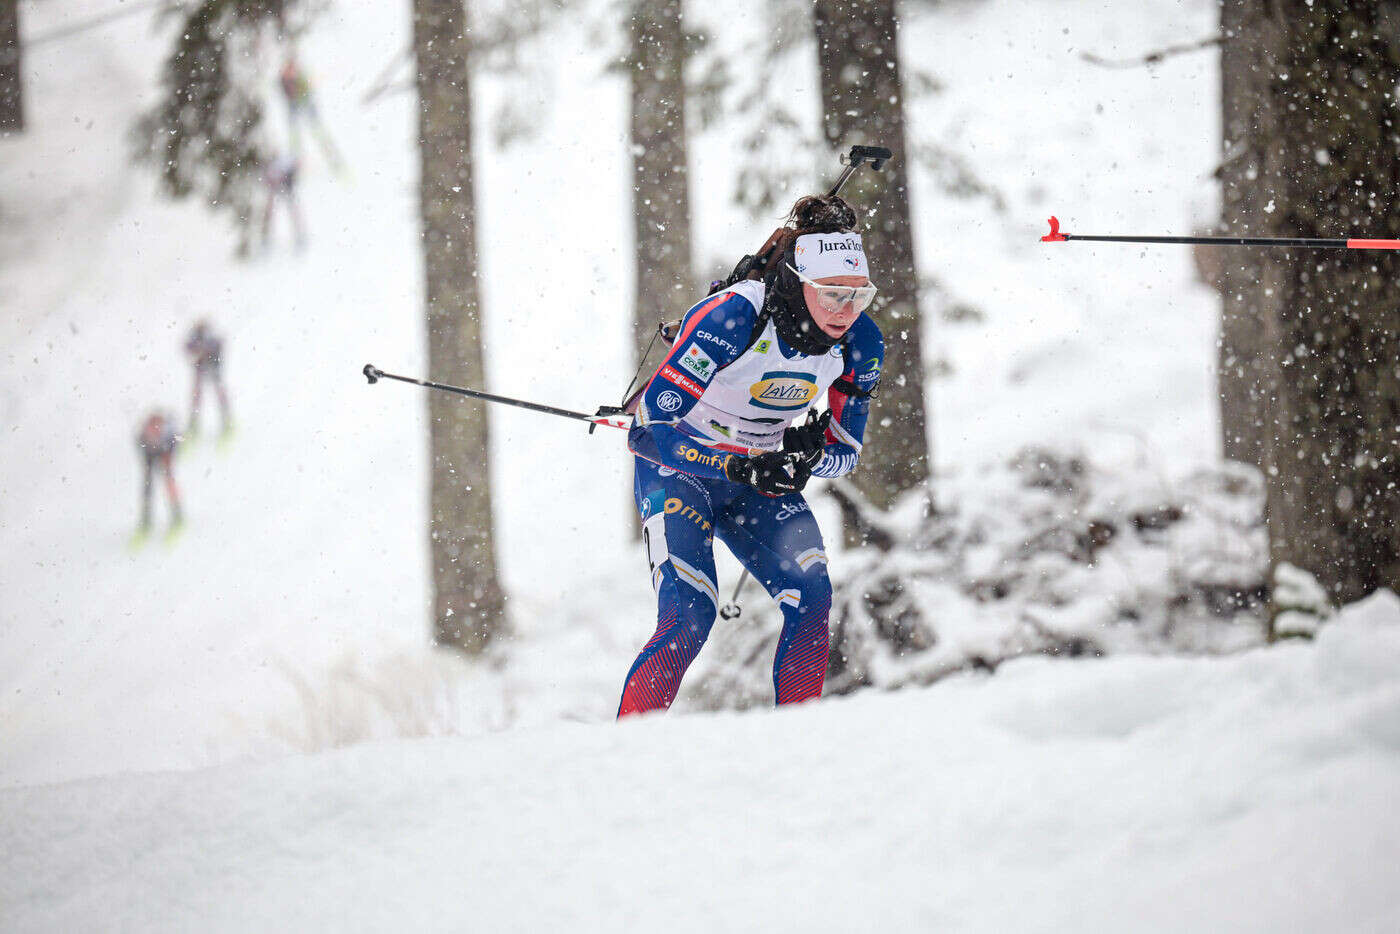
171, 722
1250, 793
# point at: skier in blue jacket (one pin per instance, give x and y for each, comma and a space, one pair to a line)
719, 453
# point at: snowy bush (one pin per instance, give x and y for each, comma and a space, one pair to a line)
402, 696
1046, 554
1301, 603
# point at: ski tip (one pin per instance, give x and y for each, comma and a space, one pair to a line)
1054, 236
173, 534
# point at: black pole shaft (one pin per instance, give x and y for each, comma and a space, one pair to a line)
1228, 241
845, 174
373, 374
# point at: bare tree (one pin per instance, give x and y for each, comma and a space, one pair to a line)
1244, 103
863, 102
11, 85
660, 192
655, 66
468, 603
1321, 158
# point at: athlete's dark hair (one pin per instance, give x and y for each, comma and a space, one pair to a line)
811, 214
822, 214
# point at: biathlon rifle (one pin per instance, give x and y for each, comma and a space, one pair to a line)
877, 156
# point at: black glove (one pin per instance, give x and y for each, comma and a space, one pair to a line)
776, 473
809, 440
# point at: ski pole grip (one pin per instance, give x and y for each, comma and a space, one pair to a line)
371, 373
877, 156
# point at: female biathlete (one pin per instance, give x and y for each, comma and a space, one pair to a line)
718, 453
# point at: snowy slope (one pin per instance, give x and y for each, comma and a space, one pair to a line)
115, 659
305, 543
1253, 793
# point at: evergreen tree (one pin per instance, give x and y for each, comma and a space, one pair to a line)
863, 102
468, 603
1323, 142
202, 136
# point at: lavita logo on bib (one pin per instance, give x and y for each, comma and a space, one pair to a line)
783, 391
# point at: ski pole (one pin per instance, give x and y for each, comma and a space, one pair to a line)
374, 374
1313, 242
731, 610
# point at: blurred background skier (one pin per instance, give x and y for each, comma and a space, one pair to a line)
718, 452
301, 108
156, 442
205, 350
280, 184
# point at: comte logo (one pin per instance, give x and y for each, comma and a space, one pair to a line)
698, 363
783, 391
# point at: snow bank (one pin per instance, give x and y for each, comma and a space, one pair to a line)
1249, 793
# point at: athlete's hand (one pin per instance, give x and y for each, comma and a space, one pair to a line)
809, 440
776, 473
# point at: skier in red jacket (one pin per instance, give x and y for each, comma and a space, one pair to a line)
157, 441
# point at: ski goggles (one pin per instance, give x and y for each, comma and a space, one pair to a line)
833, 297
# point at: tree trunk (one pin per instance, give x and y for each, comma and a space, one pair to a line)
665, 284
660, 192
468, 604
1245, 68
1329, 166
863, 102
11, 86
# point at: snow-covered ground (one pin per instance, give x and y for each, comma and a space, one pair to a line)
1251, 793
218, 672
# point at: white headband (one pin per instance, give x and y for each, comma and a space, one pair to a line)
819, 255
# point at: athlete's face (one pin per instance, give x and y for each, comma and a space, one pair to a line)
835, 319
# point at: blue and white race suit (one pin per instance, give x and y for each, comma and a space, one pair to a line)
715, 395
